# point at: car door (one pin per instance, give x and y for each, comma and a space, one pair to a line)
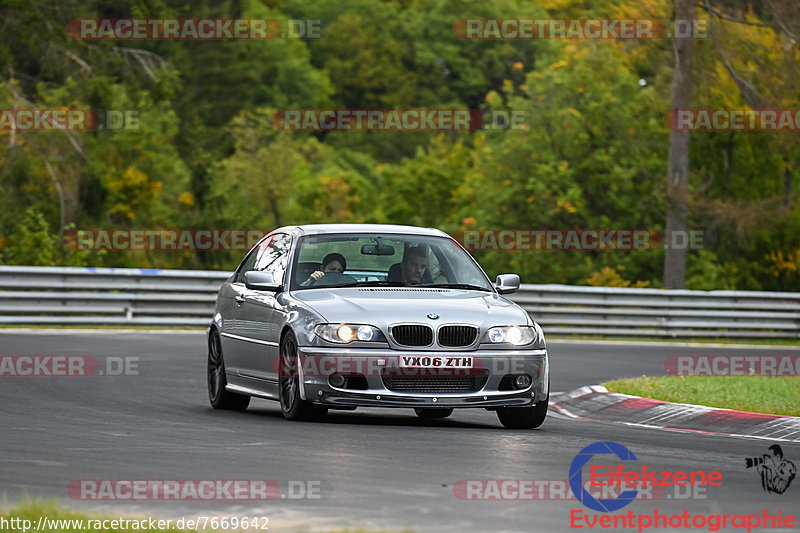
234, 343
257, 323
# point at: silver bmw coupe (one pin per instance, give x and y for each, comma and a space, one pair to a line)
342, 316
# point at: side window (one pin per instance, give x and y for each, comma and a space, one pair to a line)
434, 268
250, 261
274, 257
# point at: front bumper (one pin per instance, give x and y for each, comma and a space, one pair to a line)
492, 390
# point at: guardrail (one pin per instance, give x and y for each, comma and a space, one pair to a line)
108, 296
141, 297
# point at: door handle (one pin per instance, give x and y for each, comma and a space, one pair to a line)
239, 299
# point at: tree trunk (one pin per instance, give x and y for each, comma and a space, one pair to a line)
678, 170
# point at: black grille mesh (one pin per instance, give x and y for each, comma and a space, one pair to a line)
457, 335
435, 384
412, 335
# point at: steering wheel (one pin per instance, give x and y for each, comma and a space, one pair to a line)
332, 279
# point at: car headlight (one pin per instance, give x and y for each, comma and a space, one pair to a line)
346, 333
516, 335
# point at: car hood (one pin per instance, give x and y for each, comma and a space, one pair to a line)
384, 306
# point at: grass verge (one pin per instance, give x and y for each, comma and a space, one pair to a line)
30, 512
757, 394
33, 510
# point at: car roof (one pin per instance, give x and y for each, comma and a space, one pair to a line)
316, 229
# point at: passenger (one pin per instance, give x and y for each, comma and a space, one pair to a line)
331, 263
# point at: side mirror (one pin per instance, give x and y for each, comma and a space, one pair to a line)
260, 281
507, 283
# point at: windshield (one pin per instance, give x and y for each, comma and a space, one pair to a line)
332, 260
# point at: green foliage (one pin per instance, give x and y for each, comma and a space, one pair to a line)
591, 153
33, 243
705, 272
612, 277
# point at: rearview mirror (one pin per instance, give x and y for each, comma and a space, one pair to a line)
377, 249
507, 283
260, 281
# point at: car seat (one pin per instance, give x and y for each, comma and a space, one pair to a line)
396, 275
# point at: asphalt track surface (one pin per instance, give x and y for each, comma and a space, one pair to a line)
379, 469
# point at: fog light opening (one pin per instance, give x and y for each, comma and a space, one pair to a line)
522, 381
337, 380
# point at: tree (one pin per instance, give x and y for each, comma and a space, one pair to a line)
678, 169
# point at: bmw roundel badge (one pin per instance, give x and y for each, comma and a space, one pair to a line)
433, 316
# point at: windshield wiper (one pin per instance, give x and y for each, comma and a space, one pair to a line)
458, 286
374, 283
380, 283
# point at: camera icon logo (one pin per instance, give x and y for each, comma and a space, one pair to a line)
776, 472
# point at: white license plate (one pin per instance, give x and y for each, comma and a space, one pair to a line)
435, 361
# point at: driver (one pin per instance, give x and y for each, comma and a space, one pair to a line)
331, 263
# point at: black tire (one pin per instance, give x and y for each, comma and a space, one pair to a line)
217, 395
292, 406
433, 413
524, 417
